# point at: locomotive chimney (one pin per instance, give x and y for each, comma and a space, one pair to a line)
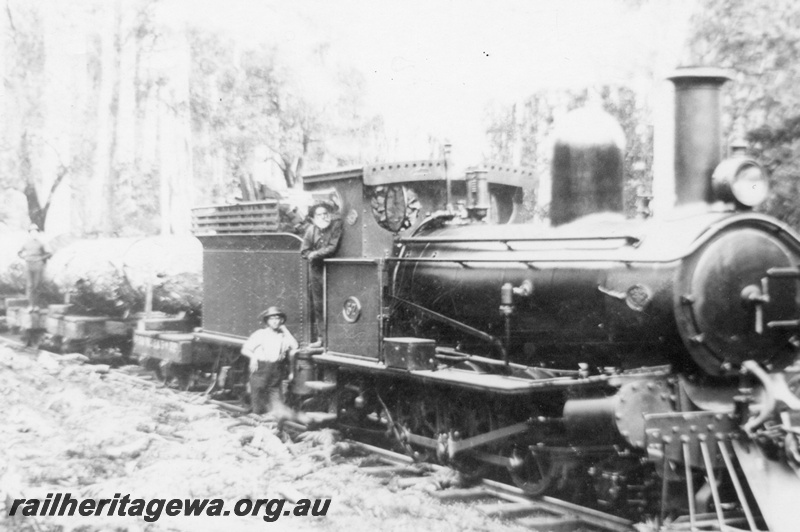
587, 165
698, 139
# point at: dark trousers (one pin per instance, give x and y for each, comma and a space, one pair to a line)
317, 290
34, 272
265, 387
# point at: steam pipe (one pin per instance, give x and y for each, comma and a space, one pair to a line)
494, 341
478, 202
449, 198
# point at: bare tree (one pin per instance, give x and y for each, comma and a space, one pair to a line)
255, 98
23, 79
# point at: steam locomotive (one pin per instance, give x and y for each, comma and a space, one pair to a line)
644, 367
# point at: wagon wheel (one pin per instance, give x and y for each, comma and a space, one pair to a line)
159, 374
154, 365
173, 375
533, 471
348, 410
318, 402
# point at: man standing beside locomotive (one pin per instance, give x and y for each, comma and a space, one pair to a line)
321, 240
35, 254
268, 349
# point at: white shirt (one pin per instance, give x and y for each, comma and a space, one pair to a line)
267, 345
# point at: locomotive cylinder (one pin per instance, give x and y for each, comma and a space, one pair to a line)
698, 148
587, 166
617, 418
592, 419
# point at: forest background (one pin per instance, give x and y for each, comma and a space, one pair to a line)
117, 117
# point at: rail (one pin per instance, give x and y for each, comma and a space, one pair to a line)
543, 513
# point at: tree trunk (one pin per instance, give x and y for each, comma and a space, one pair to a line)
104, 178
141, 93
286, 170
175, 139
246, 185
298, 172
35, 213
113, 111
63, 172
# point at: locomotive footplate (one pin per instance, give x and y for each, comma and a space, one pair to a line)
501, 384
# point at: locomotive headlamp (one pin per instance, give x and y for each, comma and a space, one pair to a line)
740, 180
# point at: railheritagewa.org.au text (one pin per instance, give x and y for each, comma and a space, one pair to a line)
63, 504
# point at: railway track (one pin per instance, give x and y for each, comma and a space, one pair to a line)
490, 497
497, 499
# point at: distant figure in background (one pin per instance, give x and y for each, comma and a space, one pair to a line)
321, 240
35, 254
269, 350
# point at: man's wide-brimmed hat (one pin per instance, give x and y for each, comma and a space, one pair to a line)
272, 311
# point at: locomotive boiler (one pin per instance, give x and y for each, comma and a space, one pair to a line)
704, 291
644, 367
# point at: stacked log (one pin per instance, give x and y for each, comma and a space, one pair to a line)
111, 276
12, 269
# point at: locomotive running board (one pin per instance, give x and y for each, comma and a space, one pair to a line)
501, 384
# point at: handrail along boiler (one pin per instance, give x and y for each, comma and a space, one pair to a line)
643, 367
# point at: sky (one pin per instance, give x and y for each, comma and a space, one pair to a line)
433, 66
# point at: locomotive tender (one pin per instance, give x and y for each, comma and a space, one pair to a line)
644, 367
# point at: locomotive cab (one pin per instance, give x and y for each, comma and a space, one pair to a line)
378, 204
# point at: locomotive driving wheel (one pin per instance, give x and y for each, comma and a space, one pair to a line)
469, 420
532, 470
415, 418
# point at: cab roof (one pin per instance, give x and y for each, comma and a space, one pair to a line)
421, 170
